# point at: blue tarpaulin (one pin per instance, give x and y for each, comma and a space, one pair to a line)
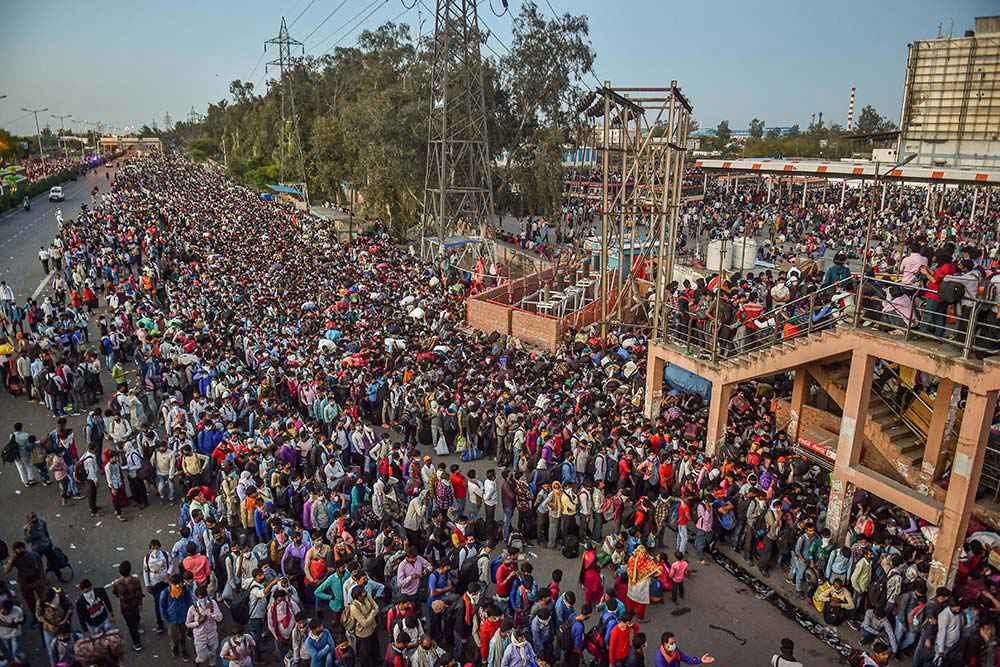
684, 380
286, 190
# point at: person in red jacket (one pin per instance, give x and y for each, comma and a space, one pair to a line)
489, 627
621, 640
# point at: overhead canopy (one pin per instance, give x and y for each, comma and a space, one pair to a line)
852, 170
453, 242
285, 190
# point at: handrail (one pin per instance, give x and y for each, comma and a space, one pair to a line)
875, 307
916, 398
917, 317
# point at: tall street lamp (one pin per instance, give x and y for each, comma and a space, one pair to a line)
62, 118
859, 306
38, 129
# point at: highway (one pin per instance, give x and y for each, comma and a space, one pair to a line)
23, 233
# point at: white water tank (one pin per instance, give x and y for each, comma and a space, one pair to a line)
714, 260
744, 256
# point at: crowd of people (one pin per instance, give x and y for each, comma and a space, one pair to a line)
37, 169
295, 406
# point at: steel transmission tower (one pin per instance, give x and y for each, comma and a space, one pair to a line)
286, 64
458, 192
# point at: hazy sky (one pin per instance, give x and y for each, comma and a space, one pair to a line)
126, 62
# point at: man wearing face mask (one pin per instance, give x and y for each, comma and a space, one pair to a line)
175, 601
670, 655
94, 609
202, 619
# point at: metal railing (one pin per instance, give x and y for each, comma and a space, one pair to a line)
910, 311
701, 332
972, 325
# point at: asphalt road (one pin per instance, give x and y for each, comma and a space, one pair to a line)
96, 546
23, 233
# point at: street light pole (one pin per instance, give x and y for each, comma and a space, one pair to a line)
38, 129
62, 119
859, 304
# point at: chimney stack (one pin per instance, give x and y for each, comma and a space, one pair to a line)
850, 112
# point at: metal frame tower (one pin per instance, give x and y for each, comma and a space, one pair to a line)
286, 63
458, 190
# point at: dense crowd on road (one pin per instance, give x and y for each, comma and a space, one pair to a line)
38, 169
296, 401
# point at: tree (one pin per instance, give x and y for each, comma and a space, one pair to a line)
536, 100
722, 135
793, 131
870, 122
772, 133
756, 128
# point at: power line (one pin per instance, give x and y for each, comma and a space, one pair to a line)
392, 20
7, 123
555, 15
295, 20
375, 6
346, 23
256, 67
323, 22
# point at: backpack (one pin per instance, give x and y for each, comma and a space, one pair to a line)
240, 608
951, 291
494, 566
10, 451
916, 618
571, 547
469, 571
79, 471
593, 642
102, 648
877, 592
566, 635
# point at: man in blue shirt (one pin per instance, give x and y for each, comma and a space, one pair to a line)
439, 585
578, 632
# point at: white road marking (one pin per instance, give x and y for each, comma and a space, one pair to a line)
41, 285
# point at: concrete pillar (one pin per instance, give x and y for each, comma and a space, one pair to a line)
882, 205
932, 465
770, 184
718, 411
704, 183
843, 191
852, 434
805, 191
927, 202
800, 389
655, 366
975, 200
962, 485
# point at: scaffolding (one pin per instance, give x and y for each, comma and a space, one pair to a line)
642, 142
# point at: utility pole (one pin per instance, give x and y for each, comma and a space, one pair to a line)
286, 64
62, 119
458, 186
38, 129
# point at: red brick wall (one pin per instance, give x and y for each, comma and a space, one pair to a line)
535, 329
488, 316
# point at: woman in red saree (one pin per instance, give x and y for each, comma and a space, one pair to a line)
590, 576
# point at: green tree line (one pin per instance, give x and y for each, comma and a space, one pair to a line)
362, 118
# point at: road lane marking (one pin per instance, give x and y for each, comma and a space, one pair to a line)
41, 285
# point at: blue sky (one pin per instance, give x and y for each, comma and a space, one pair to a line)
127, 63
